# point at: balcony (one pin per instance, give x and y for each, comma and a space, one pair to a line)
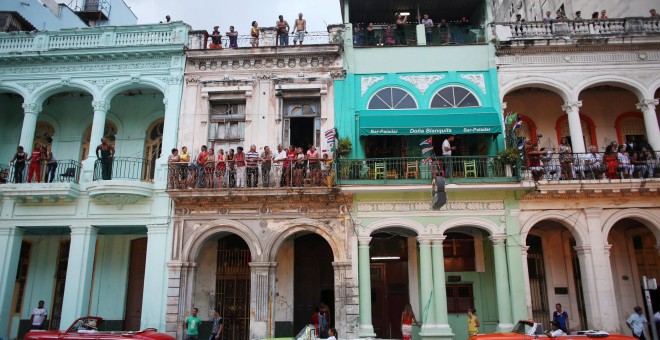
580, 32
122, 180
455, 33
105, 37
51, 182
94, 10
269, 38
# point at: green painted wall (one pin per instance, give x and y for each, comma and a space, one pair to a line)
10, 129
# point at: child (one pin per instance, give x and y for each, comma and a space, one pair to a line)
332, 333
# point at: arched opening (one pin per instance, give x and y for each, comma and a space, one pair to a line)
153, 145
222, 280
304, 281
392, 98
630, 128
110, 132
588, 131
43, 135
539, 108
603, 103
453, 97
634, 254
555, 276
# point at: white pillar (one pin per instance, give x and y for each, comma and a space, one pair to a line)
10, 249
101, 108
154, 296
572, 109
647, 106
261, 299
79, 274
30, 113
528, 294
366, 328
502, 284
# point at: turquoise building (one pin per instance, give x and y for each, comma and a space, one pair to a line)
85, 241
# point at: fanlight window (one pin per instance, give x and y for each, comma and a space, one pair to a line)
392, 98
454, 96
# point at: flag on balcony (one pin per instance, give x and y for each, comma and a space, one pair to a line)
511, 118
428, 141
518, 124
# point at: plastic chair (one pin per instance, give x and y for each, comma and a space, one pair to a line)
379, 170
470, 168
412, 168
69, 174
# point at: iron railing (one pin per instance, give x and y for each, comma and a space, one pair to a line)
449, 34
43, 172
227, 175
455, 169
551, 166
272, 39
124, 168
4, 174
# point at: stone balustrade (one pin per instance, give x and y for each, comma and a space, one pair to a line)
506, 31
98, 37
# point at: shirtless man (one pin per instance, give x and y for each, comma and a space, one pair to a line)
282, 31
299, 29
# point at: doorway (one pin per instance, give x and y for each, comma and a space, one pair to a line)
313, 278
302, 123
389, 283
136, 268
302, 129
537, 281
60, 281
233, 287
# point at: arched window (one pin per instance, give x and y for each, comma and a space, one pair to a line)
630, 124
454, 96
153, 145
43, 135
109, 131
392, 98
588, 131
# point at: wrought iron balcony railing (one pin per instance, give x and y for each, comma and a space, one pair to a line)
449, 34
124, 168
64, 171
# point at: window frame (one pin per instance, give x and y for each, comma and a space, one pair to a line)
436, 93
373, 96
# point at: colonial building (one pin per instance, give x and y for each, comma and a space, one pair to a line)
76, 235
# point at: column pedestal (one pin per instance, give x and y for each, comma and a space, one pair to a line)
78, 274
11, 238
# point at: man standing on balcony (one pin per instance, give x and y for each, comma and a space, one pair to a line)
654, 14
401, 22
251, 160
105, 152
233, 37
428, 27
279, 159
266, 158
282, 31
216, 39
299, 29
447, 148
548, 16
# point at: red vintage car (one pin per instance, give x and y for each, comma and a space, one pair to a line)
85, 328
527, 328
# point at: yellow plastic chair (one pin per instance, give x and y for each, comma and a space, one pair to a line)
379, 170
470, 168
412, 168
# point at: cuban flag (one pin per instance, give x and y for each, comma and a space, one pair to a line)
428, 141
518, 124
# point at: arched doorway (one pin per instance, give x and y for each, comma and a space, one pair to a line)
109, 131
153, 145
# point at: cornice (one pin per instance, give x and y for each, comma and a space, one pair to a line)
90, 59
543, 49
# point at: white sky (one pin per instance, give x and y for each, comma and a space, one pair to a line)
204, 14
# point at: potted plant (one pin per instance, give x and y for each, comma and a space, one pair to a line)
344, 145
509, 157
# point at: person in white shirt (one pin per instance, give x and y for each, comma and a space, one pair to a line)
556, 331
332, 334
39, 317
278, 160
447, 148
637, 323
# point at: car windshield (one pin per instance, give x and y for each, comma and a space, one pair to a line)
523, 327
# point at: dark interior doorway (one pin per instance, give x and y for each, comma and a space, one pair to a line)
389, 283
233, 287
302, 132
313, 278
136, 268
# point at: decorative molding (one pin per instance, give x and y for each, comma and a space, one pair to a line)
135, 78
101, 83
422, 83
95, 68
65, 81
119, 199
541, 56
476, 79
411, 206
572, 106
647, 104
192, 80
367, 82
31, 107
31, 85
338, 74
101, 105
255, 61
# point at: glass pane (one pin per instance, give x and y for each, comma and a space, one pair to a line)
469, 101
406, 103
439, 103
377, 103
386, 96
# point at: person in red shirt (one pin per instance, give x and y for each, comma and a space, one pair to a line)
201, 162
288, 164
34, 169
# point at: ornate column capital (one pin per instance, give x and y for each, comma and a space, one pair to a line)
157, 229
438, 240
503, 105
425, 240
101, 105
647, 104
32, 108
83, 230
523, 250
364, 241
583, 249
571, 106
498, 240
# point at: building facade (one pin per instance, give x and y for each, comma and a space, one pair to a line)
75, 227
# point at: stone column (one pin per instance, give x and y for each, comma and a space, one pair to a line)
346, 302
439, 287
572, 109
427, 313
172, 103
79, 274
647, 106
364, 283
30, 113
101, 108
155, 278
11, 239
175, 301
261, 309
502, 284
528, 294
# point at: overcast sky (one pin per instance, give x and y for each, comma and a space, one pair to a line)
204, 14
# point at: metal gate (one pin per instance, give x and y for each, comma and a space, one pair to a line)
233, 288
537, 283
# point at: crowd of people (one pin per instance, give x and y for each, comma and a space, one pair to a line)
624, 161
251, 169
282, 28
39, 157
560, 15
395, 34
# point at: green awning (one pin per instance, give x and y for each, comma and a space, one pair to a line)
430, 121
